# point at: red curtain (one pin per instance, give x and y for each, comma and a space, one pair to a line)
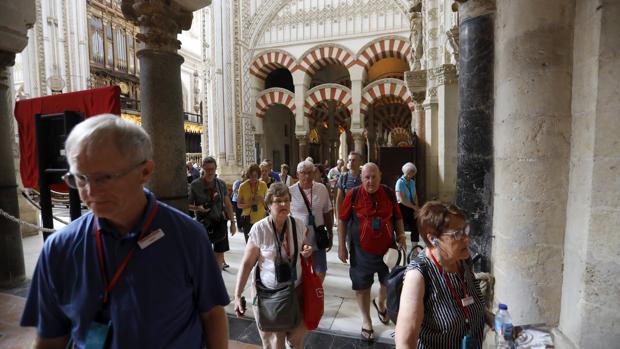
90, 102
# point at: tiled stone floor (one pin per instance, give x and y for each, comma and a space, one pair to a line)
339, 327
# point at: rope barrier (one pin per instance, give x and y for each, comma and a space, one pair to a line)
35, 205
24, 223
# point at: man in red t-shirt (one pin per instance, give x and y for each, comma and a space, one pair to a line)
373, 214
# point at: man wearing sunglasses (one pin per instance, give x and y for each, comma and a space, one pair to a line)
132, 273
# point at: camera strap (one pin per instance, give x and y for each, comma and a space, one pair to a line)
279, 247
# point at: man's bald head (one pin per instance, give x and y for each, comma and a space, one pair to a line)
371, 177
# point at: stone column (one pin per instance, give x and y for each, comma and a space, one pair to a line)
418, 121
16, 19
359, 141
302, 140
161, 96
474, 180
589, 316
445, 80
531, 134
12, 270
357, 78
431, 136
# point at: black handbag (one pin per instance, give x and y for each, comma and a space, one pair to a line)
278, 309
321, 234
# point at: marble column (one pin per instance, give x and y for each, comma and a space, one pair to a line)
531, 136
12, 270
161, 94
302, 140
474, 181
359, 142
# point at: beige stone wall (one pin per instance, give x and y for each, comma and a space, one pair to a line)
531, 154
590, 292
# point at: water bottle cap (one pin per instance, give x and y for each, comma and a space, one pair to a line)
503, 306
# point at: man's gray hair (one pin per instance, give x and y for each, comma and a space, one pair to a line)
408, 167
129, 138
305, 164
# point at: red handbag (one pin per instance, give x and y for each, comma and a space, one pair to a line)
313, 294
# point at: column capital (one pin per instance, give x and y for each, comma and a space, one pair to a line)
159, 21
416, 81
445, 74
358, 136
7, 59
473, 8
302, 138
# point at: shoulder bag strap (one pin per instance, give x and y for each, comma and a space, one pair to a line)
303, 195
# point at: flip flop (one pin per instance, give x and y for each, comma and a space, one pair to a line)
368, 335
383, 317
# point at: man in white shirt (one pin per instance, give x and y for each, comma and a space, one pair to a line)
318, 200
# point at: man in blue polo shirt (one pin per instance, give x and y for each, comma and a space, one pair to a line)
133, 273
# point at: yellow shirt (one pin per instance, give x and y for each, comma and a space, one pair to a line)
246, 195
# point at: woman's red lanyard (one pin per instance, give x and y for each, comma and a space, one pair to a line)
109, 285
456, 296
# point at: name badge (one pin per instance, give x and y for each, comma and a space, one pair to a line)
151, 238
98, 335
467, 301
376, 223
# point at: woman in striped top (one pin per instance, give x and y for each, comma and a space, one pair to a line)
441, 304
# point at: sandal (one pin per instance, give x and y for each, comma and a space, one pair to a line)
368, 335
383, 317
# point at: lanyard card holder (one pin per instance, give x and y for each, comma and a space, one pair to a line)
98, 335
470, 342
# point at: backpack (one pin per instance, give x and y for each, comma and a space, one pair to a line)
375, 241
394, 282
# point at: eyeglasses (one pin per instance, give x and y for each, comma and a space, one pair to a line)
75, 181
307, 173
281, 202
459, 234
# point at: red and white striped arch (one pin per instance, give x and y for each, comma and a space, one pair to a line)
386, 88
386, 47
326, 92
318, 57
271, 60
273, 96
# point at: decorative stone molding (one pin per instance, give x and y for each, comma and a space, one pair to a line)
415, 38
453, 43
40, 49
416, 81
160, 21
444, 75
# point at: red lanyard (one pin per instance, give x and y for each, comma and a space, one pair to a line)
110, 285
456, 296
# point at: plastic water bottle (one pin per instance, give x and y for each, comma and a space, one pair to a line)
503, 328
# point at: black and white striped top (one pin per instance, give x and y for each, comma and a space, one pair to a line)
443, 326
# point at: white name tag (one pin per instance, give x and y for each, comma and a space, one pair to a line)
467, 301
151, 238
